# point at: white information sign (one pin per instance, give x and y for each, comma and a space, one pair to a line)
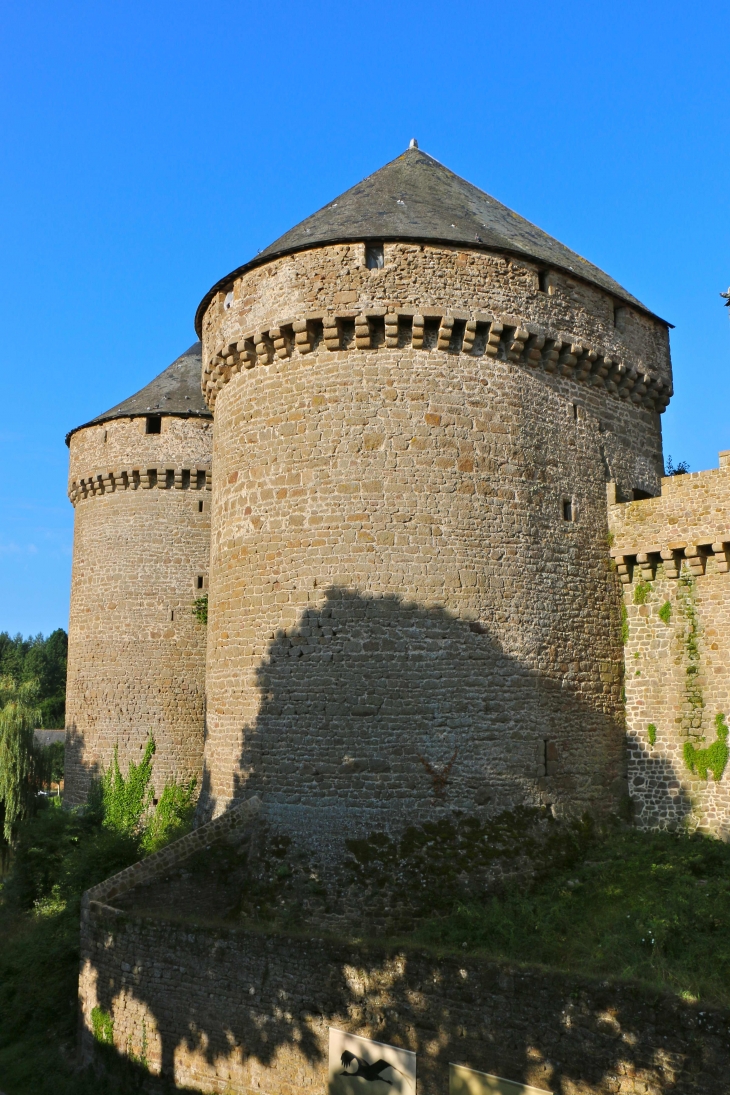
359, 1065
467, 1081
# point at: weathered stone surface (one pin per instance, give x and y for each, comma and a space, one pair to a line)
392, 575
672, 552
236, 1011
136, 659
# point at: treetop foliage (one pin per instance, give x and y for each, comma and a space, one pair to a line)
43, 660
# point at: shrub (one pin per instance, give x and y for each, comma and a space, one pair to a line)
651, 733
665, 613
172, 817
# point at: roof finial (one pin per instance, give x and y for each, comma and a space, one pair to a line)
414, 143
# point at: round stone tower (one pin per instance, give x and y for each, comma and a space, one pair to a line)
140, 483
420, 399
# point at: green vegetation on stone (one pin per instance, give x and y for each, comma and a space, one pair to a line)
714, 757
641, 592
651, 733
624, 624
665, 613
200, 609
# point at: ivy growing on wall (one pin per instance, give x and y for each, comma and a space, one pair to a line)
641, 592
714, 757
694, 702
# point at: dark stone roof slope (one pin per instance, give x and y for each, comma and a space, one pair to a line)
175, 391
414, 197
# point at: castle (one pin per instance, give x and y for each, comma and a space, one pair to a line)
415, 463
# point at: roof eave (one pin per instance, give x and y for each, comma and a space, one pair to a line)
261, 259
140, 414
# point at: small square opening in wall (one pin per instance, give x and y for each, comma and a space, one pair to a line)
374, 256
568, 509
153, 423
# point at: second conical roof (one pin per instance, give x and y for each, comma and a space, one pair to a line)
414, 197
175, 391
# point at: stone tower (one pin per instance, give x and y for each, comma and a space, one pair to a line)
419, 400
140, 483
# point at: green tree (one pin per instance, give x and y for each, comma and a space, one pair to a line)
18, 719
42, 660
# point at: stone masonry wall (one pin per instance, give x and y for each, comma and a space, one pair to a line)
136, 662
241, 1012
673, 555
402, 618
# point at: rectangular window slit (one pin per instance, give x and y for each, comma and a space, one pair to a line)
154, 423
374, 256
567, 509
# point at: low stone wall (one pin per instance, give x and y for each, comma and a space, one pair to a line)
236, 1011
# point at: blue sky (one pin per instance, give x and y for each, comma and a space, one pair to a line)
149, 148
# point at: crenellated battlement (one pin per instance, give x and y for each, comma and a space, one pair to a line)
161, 478
506, 338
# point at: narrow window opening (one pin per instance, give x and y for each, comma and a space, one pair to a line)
228, 301
619, 315
199, 582
154, 423
575, 412
567, 509
545, 755
172, 614
542, 281
200, 507
105, 435
374, 257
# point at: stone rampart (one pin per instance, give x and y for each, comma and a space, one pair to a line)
672, 553
136, 663
235, 1011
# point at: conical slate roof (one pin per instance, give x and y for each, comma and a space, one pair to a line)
175, 391
414, 197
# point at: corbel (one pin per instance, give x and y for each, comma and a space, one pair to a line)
391, 330
535, 346
517, 343
446, 329
551, 354
624, 567
697, 558
419, 326
331, 333
721, 551
494, 338
262, 348
280, 341
647, 565
470, 334
362, 333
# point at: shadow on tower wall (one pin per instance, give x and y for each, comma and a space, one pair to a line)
375, 713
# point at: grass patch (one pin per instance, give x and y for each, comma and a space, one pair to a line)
654, 907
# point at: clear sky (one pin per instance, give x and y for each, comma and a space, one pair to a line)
147, 148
